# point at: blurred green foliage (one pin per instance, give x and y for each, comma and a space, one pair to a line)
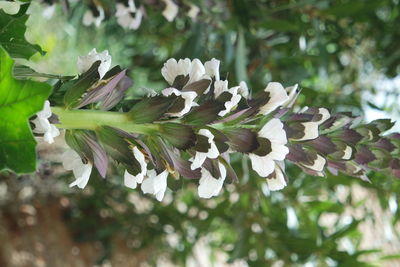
333, 49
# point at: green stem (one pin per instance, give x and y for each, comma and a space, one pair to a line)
93, 119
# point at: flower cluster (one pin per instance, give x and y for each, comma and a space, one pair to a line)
190, 128
128, 13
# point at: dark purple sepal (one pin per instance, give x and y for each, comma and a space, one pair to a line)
220, 140
242, 140
211, 165
383, 124
180, 136
297, 154
86, 145
150, 109
117, 94
395, 167
76, 88
199, 86
349, 136
294, 130
384, 143
323, 145
101, 91
118, 148
204, 114
231, 176
363, 155
180, 81
175, 160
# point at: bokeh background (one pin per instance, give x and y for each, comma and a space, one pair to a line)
345, 56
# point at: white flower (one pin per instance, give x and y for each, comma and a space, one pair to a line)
311, 127
187, 96
347, 153
221, 87
230, 104
130, 180
171, 10
172, 69
197, 71
85, 62
72, 161
125, 18
212, 152
89, 18
318, 164
274, 132
276, 181
193, 11
48, 12
155, 184
194, 69
10, 7
42, 124
212, 68
277, 96
293, 93
210, 186
243, 90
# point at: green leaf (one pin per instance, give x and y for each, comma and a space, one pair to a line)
19, 100
12, 36
241, 58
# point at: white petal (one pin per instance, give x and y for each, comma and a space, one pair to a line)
210, 186
51, 133
212, 68
137, 20
41, 125
325, 115
243, 90
197, 71
264, 166
310, 131
220, 87
105, 63
82, 175
229, 105
170, 11
193, 11
318, 164
184, 66
85, 62
293, 93
130, 180
142, 162
45, 113
170, 70
11, 8
278, 152
273, 131
198, 160
347, 153
48, 12
213, 151
278, 182
278, 96
88, 18
187, 96
70, 159
155, 184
